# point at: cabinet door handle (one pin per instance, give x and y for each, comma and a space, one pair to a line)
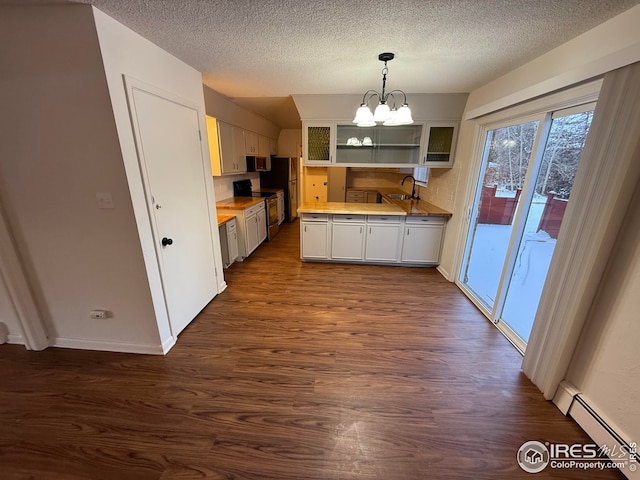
360, 229
305, 229
407, 232
369, 230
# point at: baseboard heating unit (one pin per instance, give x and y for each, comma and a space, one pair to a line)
572, 403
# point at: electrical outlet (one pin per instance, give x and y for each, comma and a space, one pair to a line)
99, 314
104, 200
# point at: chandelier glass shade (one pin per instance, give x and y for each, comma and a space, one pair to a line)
384, 113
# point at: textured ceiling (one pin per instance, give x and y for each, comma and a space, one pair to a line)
258, 52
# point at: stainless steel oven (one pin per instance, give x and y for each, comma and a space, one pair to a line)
272, 216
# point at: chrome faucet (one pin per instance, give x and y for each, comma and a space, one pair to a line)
413, 188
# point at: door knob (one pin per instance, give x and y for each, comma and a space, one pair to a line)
166, 241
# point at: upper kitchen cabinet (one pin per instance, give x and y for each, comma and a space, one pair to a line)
439, 145
409, 146
250, 143
378, 146
226, 148
330, 138
318, 143
273, 146
264, 146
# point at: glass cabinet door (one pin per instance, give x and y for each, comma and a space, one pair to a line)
318, 144
440, 143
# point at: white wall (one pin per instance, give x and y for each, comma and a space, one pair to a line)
290, 143
606, 362
223, 185
220, 107
611, 45
124, 52
10, 330
59, 147
424, 106
66, 135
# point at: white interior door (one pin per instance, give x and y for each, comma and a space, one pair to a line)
169, 147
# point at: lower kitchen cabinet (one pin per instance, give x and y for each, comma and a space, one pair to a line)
229, 242
383, 239
251, 227
232, 240
422, 240
314, 236
347, 237
255, 227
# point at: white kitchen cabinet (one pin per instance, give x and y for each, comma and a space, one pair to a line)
380, 146
355, 196
261, 220
229, 242
273, 146
264, 146
422, 240
256, 227
226, 148
347, 237
249, 234
318, 143
438, 145
384, 235
232, 240
250, 143
379, 239
314, 236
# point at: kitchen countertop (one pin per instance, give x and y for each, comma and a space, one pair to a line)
387, 207
352, 208
418, 207
238, 203
222, 219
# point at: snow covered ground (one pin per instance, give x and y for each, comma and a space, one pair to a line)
530, 271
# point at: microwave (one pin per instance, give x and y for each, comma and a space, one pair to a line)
258, 164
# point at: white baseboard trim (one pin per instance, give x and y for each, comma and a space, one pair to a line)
168, 345
106, 346
564, 396
444, 273
15, 339
222, 287
572, 403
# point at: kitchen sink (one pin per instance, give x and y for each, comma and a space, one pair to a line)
398, 196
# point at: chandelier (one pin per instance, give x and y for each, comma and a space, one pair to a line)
385, 114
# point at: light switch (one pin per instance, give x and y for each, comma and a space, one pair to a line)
104, 200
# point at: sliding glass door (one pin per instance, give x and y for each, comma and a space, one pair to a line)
543, 216
507, 152
524, 185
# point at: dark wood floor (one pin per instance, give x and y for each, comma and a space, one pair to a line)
296, 371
